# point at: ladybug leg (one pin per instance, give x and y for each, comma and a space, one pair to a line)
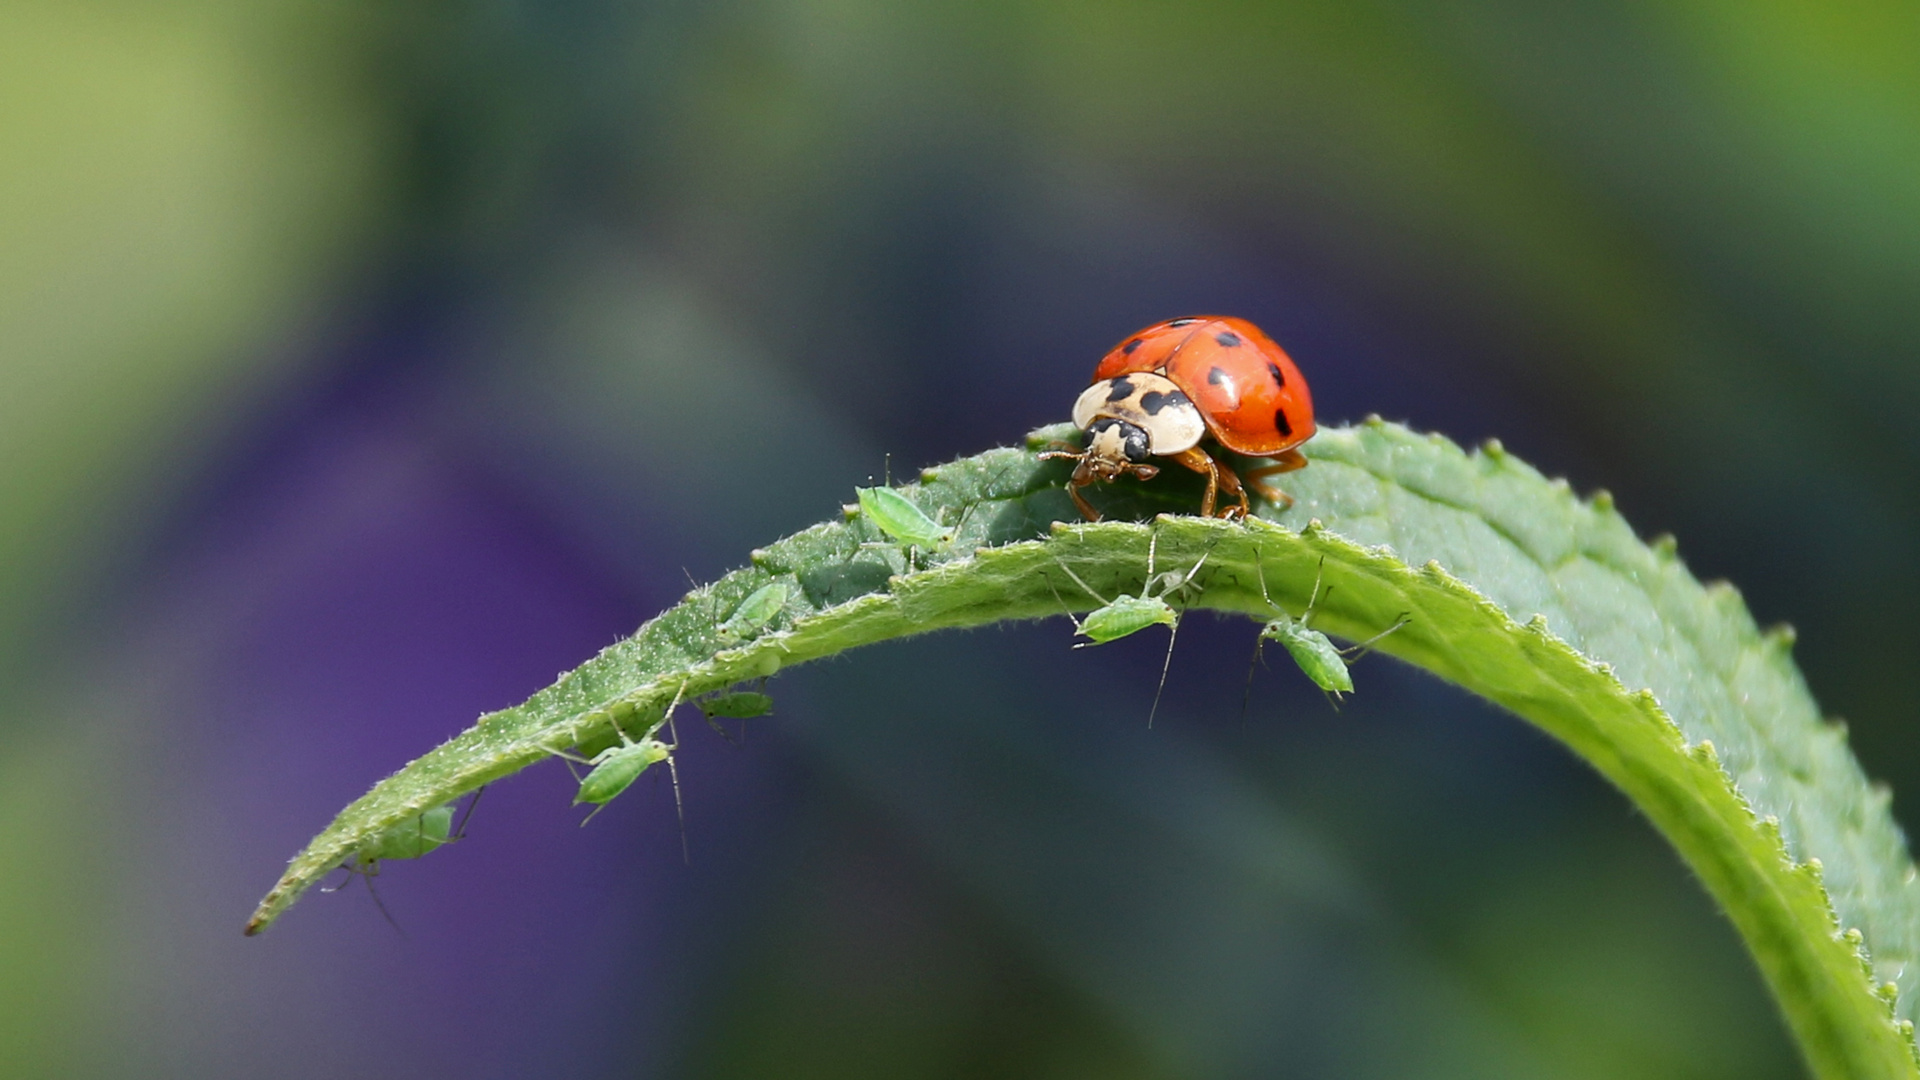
1086, 508
1282, 463
1218, 477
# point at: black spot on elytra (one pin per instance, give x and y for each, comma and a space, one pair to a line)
1279, 380
1183, 322
1122, 388
1280, 422
1128, 348
1218, 377
1227, 339
1153, 401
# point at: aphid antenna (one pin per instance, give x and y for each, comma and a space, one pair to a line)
1313, 598
1260, 568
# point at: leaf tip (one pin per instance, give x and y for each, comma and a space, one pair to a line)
1782, 635
1602, 501
1494, 448
1373, 419
1665, 546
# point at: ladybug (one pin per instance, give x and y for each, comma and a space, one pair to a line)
1162, 390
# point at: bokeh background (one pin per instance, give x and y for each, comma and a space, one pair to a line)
363, 365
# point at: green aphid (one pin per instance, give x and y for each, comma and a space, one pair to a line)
903, 522
1122, 616
408, 839
743, 705
613, 770
1126, 614
1313, 651
617, 767
760, 608
1324, 663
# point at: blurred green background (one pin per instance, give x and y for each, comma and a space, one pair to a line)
363, 365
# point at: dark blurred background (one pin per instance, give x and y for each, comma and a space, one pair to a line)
363, 365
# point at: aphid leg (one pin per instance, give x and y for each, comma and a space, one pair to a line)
345, 881
1076, 580
461, 832
1178, 582
720, 731
1246, 696
1064, 609
1359, 651
673, 771
1259, 640
377, 902
1285, 462
1173, 634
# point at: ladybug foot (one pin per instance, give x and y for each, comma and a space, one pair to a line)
1270, 494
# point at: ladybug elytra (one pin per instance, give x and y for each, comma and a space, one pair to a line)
1162, 390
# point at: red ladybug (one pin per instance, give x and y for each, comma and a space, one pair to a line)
1159, 392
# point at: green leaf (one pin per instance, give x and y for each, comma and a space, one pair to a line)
1516, 590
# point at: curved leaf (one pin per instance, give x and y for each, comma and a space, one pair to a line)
1518, 591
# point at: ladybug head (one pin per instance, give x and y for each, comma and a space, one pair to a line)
1114, 447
